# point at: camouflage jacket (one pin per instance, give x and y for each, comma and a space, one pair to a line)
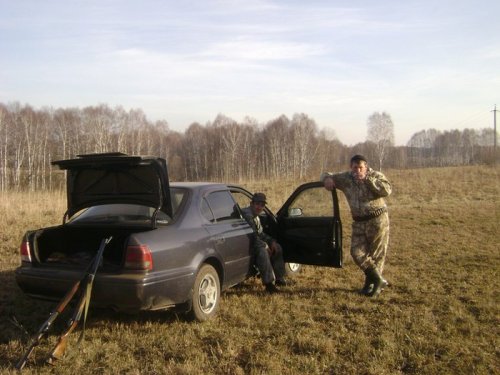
363, 196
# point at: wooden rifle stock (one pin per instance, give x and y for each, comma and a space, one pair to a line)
59, 349
42, 331
62, 342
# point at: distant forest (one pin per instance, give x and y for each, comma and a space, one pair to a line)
221, 150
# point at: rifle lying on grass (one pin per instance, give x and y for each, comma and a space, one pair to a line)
81, 308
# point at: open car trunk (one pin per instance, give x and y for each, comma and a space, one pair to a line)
70, 246
104, 180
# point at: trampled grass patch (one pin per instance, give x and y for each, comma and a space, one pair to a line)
440, 314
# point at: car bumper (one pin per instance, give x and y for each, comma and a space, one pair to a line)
131, 292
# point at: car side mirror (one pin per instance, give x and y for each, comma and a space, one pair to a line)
293, 212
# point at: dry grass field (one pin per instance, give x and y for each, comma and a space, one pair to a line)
440, 314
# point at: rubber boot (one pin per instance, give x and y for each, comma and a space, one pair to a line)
367, 288
378, 282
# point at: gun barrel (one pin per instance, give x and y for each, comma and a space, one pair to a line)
42, 331
22, 362
61, 345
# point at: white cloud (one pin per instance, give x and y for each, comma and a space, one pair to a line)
247, 49
423, 62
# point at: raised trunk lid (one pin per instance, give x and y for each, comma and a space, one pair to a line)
109, 178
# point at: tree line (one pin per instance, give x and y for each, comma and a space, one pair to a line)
219, 150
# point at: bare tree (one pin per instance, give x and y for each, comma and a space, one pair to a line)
381, 132
304, 131
98, 122
447, 149
330, 151
4, 149
194, 151
121, 129
276, 142
232, 136
66, 121
249, 161
173, 154
220, 150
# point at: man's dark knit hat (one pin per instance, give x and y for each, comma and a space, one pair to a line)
358, 158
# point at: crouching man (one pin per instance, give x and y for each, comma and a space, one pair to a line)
267, 251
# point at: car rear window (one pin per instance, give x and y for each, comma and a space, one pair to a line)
221, 207
127, 214
117, 214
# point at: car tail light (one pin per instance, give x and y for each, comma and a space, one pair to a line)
138, 257
25, 251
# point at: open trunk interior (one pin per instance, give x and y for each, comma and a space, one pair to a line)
77, 246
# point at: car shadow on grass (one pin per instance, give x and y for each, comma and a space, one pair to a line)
22, 316
17, 311
253, 286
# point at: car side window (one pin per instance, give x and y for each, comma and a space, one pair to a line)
222, 206
206, 211
313, 202
242, 199
177, 197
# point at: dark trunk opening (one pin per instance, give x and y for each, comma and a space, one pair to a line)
77, 246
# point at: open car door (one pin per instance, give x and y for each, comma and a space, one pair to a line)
309, 226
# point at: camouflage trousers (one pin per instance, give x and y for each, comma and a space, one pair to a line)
271, 267
369, 243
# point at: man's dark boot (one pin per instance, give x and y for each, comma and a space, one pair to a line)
378, 282
271, 288
367, 288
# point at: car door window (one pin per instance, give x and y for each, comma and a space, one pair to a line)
223, 206
313, 202
242, 199
310, 229
267, 218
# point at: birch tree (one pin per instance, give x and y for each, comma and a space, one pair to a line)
276, 135
305, 143
4, 149
381, 132
248, 156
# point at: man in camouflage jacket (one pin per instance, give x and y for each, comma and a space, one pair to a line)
365, 190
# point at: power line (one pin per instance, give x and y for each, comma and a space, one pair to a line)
483, 115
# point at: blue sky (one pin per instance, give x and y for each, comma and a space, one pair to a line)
427, 63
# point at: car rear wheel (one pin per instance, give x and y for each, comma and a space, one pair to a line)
206, 294
292, 268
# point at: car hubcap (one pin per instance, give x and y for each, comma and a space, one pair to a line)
208, 294
293, 266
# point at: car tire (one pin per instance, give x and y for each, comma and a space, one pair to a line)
206, 294
292, 269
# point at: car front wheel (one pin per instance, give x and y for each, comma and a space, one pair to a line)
206, 294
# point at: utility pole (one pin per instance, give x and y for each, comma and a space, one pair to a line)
495, 134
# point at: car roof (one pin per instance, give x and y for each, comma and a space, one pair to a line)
205, 186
